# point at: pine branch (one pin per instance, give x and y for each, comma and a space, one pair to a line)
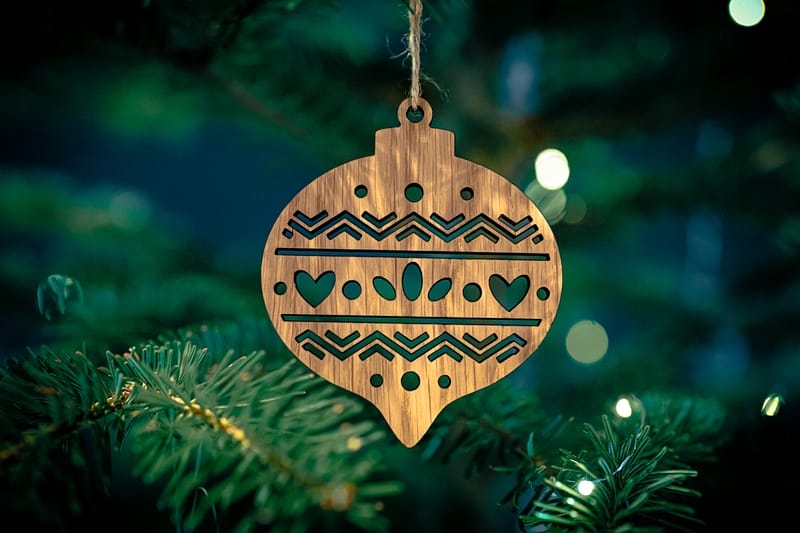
230, 427
63, 416
241, 440
642, 461
620, 483
490, 429
690, 428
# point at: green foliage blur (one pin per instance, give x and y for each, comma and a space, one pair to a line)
147, 146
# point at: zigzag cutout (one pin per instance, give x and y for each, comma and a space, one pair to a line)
346, 222
378, 343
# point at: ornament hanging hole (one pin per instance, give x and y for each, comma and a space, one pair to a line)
408, 114
415, 115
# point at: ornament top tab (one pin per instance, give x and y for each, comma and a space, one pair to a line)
411, 277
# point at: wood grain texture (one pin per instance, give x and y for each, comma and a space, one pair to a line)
472, 264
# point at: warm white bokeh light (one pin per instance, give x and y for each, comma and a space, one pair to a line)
746, 12
587, 341
585, 487
623, 408
552, 169
771, 405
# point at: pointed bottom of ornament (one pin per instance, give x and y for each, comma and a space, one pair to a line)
410, 423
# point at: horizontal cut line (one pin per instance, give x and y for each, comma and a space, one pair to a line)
489, 256
466, 321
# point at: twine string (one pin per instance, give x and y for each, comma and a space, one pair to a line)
414, 34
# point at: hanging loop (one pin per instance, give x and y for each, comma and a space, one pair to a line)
407, 108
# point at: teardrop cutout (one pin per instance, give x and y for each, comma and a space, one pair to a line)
384, 288
440, 289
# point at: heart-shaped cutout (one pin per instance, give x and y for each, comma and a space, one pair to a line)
509, 295
314, 291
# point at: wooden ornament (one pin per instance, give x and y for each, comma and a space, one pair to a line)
411, 277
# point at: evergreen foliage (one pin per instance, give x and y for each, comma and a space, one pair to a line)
235, 439
208, 428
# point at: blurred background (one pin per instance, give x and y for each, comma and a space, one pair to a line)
147, 146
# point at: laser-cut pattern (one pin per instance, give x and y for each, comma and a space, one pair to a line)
345, 223
411, 277
410, 349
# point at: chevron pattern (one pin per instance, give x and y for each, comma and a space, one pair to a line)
412, 224
376, 343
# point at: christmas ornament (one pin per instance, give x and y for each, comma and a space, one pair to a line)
411, 277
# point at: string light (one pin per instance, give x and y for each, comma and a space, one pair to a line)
585, 487
771, 405
552, 169
339, 497
623, 408
354, 444
746, 12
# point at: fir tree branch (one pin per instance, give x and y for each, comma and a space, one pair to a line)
62, 415
620, 483
233, 429
491, 429
690, 428
641, 462
241, 430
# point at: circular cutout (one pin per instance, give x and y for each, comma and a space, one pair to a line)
410, 381
351, 290
467, 193
472, 292
415, 115
376, 380
543, 293
360, 191
444, 381
414, 192
280, 288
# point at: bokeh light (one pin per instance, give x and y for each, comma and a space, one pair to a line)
623, 408
746, 12
552, 169
585, 487
354, 444
771, 405
587, 341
